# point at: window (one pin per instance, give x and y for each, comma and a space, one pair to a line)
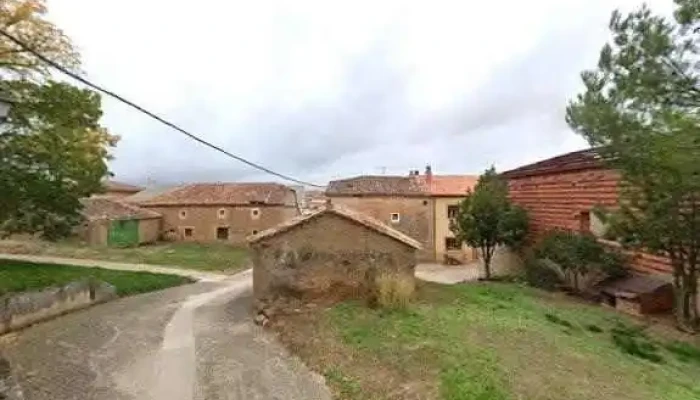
183, 214
395, 217
221, 213
452, 212
222, 233
188, 232
452, 244
255, 213
425, 202
255, 231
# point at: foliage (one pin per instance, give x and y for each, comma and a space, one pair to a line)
685, 352
540, 275
53, 151
394, 291
632, 340
25, 20
640, 108
578, 255
487, 219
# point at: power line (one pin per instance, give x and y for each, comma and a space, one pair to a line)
149, 113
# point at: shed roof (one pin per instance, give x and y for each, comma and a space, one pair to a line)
574, 161
96, 208
344, 212
221, 194
634, 285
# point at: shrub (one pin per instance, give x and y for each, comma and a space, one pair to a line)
579, 256
394, 291
538, 274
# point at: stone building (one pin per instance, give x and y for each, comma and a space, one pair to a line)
110, 221
333, 252
401, 202
115, 189
225, 212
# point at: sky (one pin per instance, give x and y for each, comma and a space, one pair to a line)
322, 90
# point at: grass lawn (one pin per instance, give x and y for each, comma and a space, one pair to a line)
493, 341
19, 276
205, 257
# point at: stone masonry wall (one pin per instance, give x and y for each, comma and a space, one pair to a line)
326, 257
240, 220
18, 310
416, 216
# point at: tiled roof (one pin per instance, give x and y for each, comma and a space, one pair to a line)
575, 161
115, 186
450, 185
222, 194
96, 208
344, 212
376, 185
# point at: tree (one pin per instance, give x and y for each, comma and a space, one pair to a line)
53, 152
486, 218
25, 20
640, 109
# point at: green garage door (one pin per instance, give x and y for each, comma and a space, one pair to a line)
123, 233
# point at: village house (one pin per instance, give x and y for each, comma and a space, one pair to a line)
113, 222
117, 189
332, 253
419, 205
446, 192
226, 212
401, 202
562, 192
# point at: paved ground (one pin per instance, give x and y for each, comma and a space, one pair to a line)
198, 275
193, 342
448, 274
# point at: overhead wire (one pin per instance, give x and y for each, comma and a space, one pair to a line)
153, 115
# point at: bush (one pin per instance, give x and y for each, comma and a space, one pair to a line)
394, 291
538, 274
580, 256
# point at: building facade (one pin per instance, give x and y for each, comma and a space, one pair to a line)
222, 212
562, 192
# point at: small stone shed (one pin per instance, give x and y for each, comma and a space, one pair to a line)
112, 222
638, 294
331, 254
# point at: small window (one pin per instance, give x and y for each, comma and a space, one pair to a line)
425, 202
188, 232
452, 212
222, 233
452, 244
183, 214
255, 213
221, 213
255, 231
395, 217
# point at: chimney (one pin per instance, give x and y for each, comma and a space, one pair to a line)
428, 174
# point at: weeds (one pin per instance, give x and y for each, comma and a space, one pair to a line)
394, 291
631, 340
685, 352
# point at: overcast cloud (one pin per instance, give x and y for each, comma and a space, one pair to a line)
327, 89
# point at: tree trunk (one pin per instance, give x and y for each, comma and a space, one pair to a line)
686, 303
487, 264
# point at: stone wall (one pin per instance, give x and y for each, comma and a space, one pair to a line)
327, 257
416, 216
18, 310
241, 221
150, 230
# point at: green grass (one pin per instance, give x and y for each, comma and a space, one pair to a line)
20, 276
205, 257
496, 342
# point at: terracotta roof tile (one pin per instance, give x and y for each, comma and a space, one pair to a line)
222, 194
116, 186
450, 185
344, 212
574, 161
96, 208
376, 185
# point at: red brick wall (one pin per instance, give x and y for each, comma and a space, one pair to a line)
557, 201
